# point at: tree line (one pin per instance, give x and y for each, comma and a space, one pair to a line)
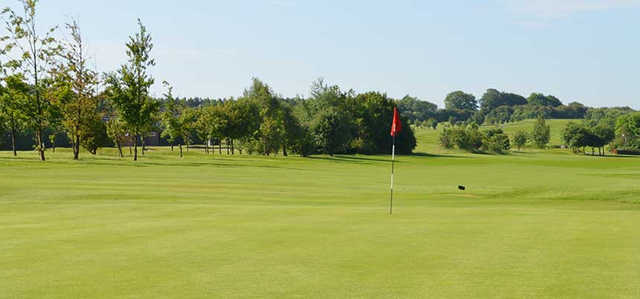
50, 95
471, 138
49, 92
494, 107
619, 128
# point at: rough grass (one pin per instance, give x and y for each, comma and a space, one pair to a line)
531, 224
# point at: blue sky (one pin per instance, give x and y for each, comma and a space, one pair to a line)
577, 50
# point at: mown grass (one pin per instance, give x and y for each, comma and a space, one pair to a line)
531, 224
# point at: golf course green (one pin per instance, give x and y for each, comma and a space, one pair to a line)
531, 224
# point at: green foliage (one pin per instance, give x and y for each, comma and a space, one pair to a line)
429, 123
605, 116
116, 130
76, 95
26, 51
605, 135
493, 99
520, 139
458, 100
95, 136
345, 122
628, 131
244, 118
13, 96
499, 115
541, 133
538, 99
416, 110
495, 141
171, 117
128, 88
470, 138
270, 134
332, 129
578, 136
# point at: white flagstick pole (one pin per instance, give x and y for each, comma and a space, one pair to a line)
393, 158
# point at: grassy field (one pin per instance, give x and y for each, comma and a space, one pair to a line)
531, 224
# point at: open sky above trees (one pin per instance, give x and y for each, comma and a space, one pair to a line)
577, 50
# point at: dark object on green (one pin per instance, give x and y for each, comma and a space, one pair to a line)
462, 188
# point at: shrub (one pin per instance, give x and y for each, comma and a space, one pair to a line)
520, 139
471, 139
541, 133
496, 141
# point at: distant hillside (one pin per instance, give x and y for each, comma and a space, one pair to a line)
428, 142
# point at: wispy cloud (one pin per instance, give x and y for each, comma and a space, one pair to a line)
553, 9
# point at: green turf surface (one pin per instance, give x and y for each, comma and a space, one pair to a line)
531, 224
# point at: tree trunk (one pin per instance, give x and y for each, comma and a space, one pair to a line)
172, 147
40, 144
39, 106
13, 140
220, 147
180, 150
135, 148
233, 152
76, 147
119, 148
227, 144
143, 144
284, 150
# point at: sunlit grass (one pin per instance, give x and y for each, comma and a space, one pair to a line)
531, 224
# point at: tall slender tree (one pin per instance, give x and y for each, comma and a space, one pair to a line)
541, 134
171, 118
33, 55
129, 86
117, 132
13, 94
79, 106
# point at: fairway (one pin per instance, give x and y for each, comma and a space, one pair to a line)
530, 224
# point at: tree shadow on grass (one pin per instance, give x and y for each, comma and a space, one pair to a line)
377, 159
348, 159
437, 156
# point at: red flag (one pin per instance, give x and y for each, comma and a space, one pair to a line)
396, 126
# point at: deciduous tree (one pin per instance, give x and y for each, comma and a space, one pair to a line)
13, 94
459, 100
541, 133
79, 104
520, 139
129, 86
33, 55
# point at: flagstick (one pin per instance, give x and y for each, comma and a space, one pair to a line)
393, 158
